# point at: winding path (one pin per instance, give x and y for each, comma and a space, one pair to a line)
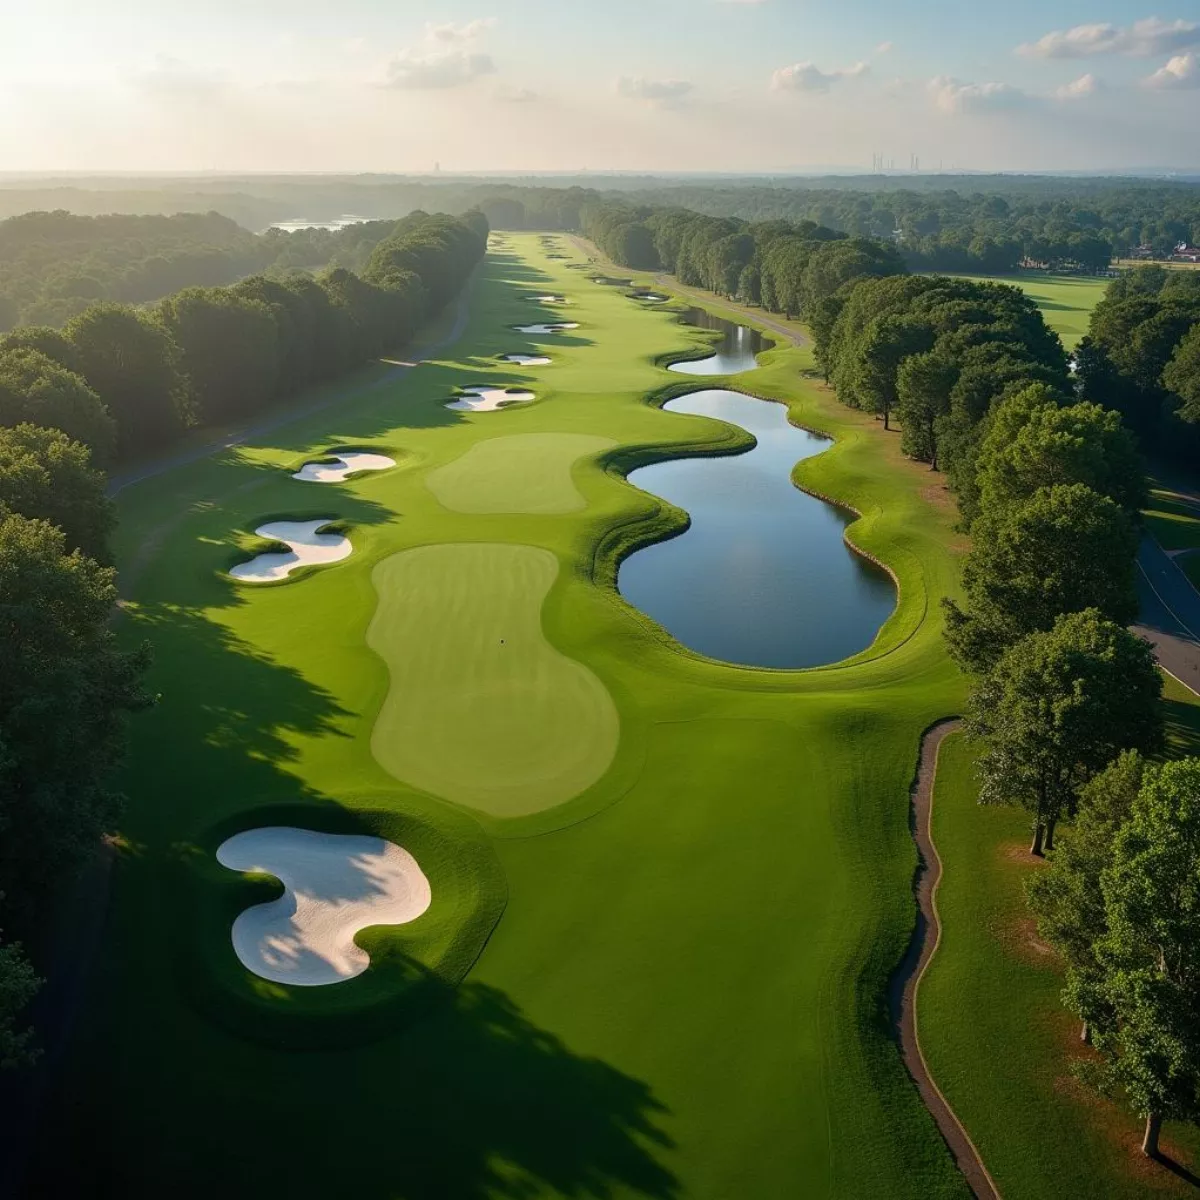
905, 983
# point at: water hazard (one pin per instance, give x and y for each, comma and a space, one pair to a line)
762, 576
737, 350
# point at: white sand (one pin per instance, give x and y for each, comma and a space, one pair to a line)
336, 884
549, 298
556, 328
349, 462
308, 548
485, 399
527, 360
650, 297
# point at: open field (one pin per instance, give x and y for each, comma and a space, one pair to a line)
1066, 301
993, 1029
666, 892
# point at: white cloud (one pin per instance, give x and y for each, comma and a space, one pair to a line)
467, 31
516, 95
1142, 39
1077, 89
1182, 71
416, 69
953, 96
883, 48
808, 77
654, 91
444, 59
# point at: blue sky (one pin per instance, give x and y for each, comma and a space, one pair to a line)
732, 85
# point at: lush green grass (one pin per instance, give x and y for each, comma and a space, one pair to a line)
525, 473
1066, 301
482, 710
993, 1028
1174, 523
683, 996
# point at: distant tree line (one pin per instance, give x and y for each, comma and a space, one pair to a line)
117, 382
53, 265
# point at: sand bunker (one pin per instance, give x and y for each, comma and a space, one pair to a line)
334, 885
557, 327
548, 298
488, 399
650, 297
526, 360
348, 462
309, 548
521, 473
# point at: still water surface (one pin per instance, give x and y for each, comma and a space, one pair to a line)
762, 576
736, 351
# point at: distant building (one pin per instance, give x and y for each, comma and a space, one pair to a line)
1186, 253
1143, 251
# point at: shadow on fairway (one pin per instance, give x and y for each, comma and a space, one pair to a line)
475, 1102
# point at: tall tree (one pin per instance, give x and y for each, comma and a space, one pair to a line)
34, 390
1064, 549
924, 384
1056, 708
1150, 956
45, 474
65, 688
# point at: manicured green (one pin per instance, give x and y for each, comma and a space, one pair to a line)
993, 1029
482, 710
1066, 301
684, 994
525, 473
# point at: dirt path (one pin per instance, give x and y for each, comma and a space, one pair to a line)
670, 283
903, 989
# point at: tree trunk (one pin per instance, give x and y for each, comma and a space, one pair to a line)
1150, 1141
1085, 1034
1050, 834
886, 414
1038, 830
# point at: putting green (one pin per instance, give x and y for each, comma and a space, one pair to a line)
482, 710
524, 473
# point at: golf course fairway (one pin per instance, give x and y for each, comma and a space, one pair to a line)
667, 892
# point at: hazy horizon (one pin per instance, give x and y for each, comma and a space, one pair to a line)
659, 86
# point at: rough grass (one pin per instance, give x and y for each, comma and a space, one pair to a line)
993, 1028
1066, 301
684, 996
1174, 523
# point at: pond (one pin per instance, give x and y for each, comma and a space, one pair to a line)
762, 576
737, 350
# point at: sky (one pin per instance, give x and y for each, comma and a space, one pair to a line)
623, 85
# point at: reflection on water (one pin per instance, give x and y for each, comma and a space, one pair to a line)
736, 351
762, 576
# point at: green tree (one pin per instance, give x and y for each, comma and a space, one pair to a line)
1056, 708
924, 384
19, 984
67, 688
130, 362
46, 475
1033, 442
1067, 898
1064, 549
1150, 956
1181, 376
34, 390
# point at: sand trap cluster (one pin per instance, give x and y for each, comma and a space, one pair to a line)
526, 360
555, 327
488, 399
649, 297
334, 885
348, 462
548, 298
308, 548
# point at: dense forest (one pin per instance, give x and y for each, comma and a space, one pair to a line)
53, 265
966, 223
115, 382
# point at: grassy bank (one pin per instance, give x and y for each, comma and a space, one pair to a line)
993, 1028
683, 995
